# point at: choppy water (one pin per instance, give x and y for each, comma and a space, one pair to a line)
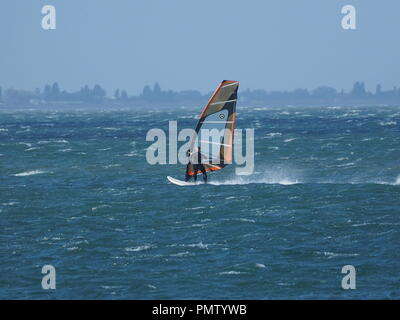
76, 192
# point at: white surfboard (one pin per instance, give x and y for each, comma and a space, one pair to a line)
183, 183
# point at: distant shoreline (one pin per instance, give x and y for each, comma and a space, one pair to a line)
155, 97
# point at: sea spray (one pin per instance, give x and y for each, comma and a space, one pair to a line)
274, 176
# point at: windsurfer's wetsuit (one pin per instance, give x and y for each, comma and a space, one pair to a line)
198, 165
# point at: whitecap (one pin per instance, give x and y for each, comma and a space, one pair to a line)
180, 254
110, 287
53, 141
247, 220
285, 284
261, 109
111, 129
350, 164
151, 286
25, 144
334, 255
9, 203
198, 245
362, 224
334, 108
395, 183
29, 173
198, 225
131, 154
139, 248
112, 165
251, 179
101, 206
387, 123
230, 272
274, 134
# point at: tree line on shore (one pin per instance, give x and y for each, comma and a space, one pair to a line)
154, 95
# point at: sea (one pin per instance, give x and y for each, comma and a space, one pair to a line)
78, 194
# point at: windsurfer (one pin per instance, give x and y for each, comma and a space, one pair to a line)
195, 163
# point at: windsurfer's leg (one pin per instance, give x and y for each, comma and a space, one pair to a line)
187, 175
203, 170
195, 168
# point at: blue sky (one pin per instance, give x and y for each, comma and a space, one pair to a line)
185, 44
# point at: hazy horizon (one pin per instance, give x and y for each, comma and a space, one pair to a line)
151, 86
279, 45
369, 88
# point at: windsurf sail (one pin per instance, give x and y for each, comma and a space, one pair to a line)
215, 128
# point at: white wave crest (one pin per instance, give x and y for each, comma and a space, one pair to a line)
232, 272
29, 173
198, 245
53, 141
391, 183
388, 123
273, 134
139, 248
